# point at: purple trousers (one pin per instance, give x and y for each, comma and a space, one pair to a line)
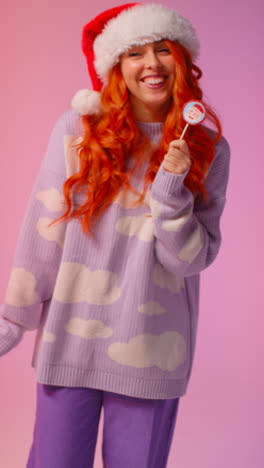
137, 432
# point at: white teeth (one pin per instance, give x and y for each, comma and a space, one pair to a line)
154, 80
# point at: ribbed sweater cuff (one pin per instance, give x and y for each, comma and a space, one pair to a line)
28, 317
10, 335
167, 184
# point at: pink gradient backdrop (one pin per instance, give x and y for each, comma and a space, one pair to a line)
220, 419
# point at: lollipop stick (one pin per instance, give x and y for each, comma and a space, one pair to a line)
184, 130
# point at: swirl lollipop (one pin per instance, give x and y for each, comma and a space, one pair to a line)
193, 113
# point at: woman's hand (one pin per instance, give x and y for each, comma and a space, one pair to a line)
177, 160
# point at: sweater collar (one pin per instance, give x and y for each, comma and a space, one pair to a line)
153, 130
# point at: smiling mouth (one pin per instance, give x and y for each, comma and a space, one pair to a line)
154, 82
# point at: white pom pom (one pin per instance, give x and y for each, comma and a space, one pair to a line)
86, 101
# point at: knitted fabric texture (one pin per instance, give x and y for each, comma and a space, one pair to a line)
116, 312
10, 335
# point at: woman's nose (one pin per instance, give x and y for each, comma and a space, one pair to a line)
152, 59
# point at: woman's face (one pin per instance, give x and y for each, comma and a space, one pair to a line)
149, 74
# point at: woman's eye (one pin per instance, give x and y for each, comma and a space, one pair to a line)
164, 50
134, 54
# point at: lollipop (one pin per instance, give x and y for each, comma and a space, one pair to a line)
193, 113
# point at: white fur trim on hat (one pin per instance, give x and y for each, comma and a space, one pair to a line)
139, 25
86, 101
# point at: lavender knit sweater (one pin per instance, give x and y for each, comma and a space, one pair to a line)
116, 312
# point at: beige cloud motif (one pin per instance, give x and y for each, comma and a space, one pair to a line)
75, 283
193, 246
176, 224
156, 207
55, 232
152, 308
88, 329
48, 337
128, 197
52, 199
139, 226
71, 154
21, 290
166, 351
165, 279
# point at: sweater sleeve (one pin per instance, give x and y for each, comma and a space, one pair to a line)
187, 234
39, 248
10, 335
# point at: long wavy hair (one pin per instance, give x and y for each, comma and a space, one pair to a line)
109, 139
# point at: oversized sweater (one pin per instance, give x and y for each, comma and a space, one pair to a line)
117, 311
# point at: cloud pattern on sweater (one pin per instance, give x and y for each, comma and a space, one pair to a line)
48, 337
176, 224
76, 283
141, 226
71, 154
166, 351
88, 329
53, 233
21, 290
52, 199
128, 197
156, 207
165, 279
152, 308
192, 246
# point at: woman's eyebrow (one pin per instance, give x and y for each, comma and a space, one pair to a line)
157, 43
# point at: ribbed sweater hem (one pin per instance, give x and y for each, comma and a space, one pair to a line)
102, 380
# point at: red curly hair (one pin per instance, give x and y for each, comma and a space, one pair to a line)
110, 138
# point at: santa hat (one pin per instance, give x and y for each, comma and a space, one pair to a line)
113, 32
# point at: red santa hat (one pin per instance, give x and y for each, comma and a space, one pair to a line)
113, 32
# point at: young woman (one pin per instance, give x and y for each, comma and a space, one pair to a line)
123, 217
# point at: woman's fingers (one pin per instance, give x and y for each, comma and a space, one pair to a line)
181, 145
178, 159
